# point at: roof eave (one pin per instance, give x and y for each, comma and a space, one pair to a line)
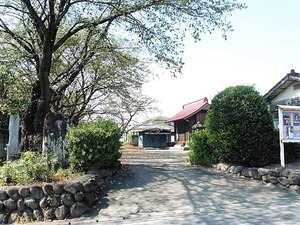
272, 92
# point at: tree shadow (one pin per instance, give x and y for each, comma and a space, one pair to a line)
178, 192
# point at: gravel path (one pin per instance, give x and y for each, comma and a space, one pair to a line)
159, 187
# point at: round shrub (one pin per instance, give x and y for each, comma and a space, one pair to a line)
240, 127
200, 152
94, 145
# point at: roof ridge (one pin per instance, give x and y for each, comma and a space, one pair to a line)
202, 99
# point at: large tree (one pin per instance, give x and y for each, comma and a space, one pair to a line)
43, 30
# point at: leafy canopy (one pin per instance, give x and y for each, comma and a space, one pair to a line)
58, 42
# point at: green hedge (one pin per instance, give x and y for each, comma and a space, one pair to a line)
200, 151
240, 127
94, 145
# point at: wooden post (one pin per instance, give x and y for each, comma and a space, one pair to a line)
13, 142
281, 144
46, 154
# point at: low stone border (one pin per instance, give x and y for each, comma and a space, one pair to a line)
51, 201
279, 176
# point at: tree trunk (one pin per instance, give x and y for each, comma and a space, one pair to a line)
32, 134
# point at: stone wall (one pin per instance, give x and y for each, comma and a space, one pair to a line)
51, 201
278, 176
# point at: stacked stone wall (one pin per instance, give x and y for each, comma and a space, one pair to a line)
51, 201
280, 177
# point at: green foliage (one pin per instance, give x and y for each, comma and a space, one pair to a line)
64, 174
240, 127
200, 151
30, 168
90, 49
129, 139
14, 92
94, 145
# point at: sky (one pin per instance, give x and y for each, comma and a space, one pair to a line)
262, 49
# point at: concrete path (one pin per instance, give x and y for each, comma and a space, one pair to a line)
159, 187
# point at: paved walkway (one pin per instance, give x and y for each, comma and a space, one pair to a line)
158, 187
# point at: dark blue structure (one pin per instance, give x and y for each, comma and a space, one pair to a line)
148, 139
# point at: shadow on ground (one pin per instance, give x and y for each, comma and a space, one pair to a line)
158, 187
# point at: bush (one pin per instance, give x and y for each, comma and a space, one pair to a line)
30, 168
94, 145
240, 127
200, 152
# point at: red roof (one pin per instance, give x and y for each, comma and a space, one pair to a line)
190, 109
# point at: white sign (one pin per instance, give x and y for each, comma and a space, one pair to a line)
289, 127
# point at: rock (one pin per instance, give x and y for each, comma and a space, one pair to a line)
28, 215
222, 166
251, 172
37, 192
10, 204
13, 217
73, 187
100, 182
49, 215
58, 188
262, 171
38, 215
294, 179
230, 168
87, 178
3, 195
273, 180
89, 199
89, 187
24, 192
30, 202
3, 217
13, 192
101, 174
48, 189
55, 201
274, 173
44, 202
1, 205
295, 189
79, 196
21, 205
78, 209
293, 175
237, 169
279, 185
67, 199
284, 173
61, 212
266, 178
283, 181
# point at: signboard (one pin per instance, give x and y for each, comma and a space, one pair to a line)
289, 127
